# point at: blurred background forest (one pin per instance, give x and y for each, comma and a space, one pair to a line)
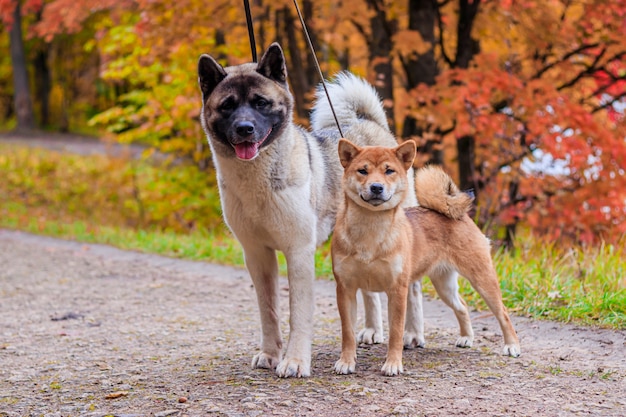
521, 101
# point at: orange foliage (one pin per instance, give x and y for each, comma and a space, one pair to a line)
543, 97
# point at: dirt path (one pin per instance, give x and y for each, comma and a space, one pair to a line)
88, 330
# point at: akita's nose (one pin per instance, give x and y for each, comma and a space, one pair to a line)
245, 128
377, 188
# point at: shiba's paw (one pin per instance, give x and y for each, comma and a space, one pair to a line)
392, 368
265, 361
464, 342
293, 367
512, 350
345, 367
370, 336
413, 340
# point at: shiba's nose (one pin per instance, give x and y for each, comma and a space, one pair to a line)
377, 188
244, 128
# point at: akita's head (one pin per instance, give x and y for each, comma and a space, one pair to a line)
375, 177
245, 107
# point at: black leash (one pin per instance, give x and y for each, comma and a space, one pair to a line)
246, 5
317, 65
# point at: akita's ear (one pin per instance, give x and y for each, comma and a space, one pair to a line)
272, 64
406, 153
210, 74
347, 152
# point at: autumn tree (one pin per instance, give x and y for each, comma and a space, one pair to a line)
546, 151
11, 16
522, 101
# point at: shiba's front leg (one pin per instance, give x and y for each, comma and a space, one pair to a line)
397, 308
263, 267
346, 304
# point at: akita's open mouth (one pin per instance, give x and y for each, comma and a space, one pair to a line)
249, 150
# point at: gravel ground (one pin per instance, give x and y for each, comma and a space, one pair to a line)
89, 330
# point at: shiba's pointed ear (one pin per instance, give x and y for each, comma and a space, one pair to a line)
347, 152
210, 74
272, 64
406, 153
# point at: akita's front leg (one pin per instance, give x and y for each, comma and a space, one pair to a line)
263, 267
346, 304
301, 274
414, 322
373, 331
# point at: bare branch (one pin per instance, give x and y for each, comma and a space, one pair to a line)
609, 103
565, 57
587, 71
445, 56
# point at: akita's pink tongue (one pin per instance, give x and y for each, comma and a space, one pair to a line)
247, 150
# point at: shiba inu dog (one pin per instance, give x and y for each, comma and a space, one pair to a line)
280, 185
378, 245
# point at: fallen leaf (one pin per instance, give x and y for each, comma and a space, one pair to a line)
116, 394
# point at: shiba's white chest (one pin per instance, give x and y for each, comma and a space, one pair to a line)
366, 271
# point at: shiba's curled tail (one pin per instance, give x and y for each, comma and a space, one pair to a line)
436, 191
353, 99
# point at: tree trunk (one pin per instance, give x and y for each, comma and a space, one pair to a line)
422, 69
43, 82
43, 85
22, 98
467, 47
380, 46
297, 74
312, 76
466, 151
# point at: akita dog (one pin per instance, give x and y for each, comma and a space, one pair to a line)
280, 185
379, 246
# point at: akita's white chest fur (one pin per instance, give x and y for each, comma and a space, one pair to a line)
272, 200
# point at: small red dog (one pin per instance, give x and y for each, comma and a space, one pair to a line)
379, 246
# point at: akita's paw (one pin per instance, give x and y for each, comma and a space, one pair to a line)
412, 340
370, 336
512, 350
345, 367
464, 342
392, 368
265, 361
293, 367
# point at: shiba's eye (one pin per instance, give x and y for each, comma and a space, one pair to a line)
389, 171
362, 171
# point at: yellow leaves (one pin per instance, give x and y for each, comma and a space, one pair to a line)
410, 42
110, 191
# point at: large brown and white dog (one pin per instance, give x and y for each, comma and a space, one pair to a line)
280, 185
379, 246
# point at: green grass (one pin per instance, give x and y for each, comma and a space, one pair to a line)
538, 279
542, 280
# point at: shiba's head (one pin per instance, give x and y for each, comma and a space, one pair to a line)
245, 107
375, 177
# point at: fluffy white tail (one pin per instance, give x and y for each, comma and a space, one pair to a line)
353, 99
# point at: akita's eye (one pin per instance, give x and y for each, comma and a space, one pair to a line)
389, 171
362, 171
228, 104
261, 103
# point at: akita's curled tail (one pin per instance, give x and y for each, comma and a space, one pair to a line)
436, 191
353, 99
